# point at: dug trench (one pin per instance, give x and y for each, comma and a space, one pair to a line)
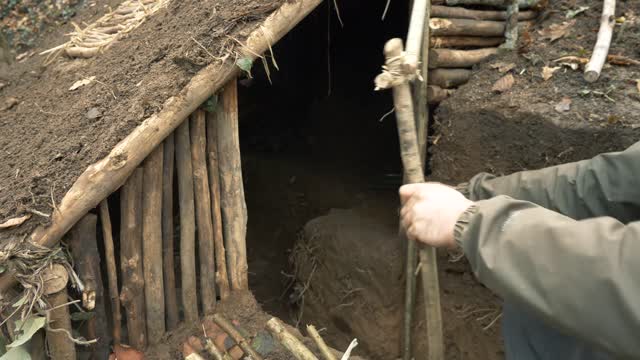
321, 171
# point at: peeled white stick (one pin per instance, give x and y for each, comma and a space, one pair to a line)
352, 346
414, 37
601, 50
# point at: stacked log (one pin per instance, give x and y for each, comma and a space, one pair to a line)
462, 37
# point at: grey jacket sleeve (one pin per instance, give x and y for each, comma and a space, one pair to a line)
580, 276
607, 185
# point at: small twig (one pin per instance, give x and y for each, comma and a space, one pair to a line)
492, 322
387, 114
205, 49
386, 8
335, 5
322, 346
39, 213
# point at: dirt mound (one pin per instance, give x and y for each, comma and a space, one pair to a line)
51, 134
350, 278
538, 122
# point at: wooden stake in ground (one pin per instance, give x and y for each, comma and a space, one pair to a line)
187, 224
601, 50
152, 244
60, 345
234, 208
322, 346
169, 274
203, 211
105, 176
112, 273
222, 277
84, 249
132, 293
295, 346
413, 171
231, 330
511, 28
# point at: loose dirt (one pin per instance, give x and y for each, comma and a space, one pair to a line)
52, 134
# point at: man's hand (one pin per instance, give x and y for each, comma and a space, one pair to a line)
430, 212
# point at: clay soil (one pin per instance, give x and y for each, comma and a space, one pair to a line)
47, 140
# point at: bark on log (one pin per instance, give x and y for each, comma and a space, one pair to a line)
523, 4
112, 272
462, 13
203, 212
168, 263
84, 249
222, 277
601, 50
187, 224
449, 78
511, 28
132, 293
152, 244
436, 94
105, 176
465, 41
234, 208
447, 58
295, 346
59, 344
466, 27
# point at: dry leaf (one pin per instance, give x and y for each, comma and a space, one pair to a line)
621, 60
556, 31
564, 105
503, 84
9, 103
83, 82
547, 72
503, 67
14, 221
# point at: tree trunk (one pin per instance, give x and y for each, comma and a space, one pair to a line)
132, 293
203, 212
59, 344
84, 249
152, 244
234, 211
446, 58
170, 294
187, 224
222, 276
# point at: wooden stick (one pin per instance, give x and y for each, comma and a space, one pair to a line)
112, 273
152, 244
234, 211
449, 78
187, 224
236, 336
203, 212
60, 345
169, 274
447, 58
466, 27
523, 4
465, 41
222, 277
511, 28
462, 13
601, 49
214, 351
322, 346
414, 37
413, 169
84, 249
295, 346
436, 94
105, 176
132, 293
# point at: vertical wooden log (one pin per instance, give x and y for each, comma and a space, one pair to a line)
112, 273
187, 223
203, 211
170, 295
132, 293
234, 210
152, 244
511, 28
222, 278
59, 344
84, 249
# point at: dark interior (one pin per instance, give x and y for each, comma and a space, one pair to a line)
312, 137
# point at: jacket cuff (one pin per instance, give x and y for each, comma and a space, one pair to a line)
463, 223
